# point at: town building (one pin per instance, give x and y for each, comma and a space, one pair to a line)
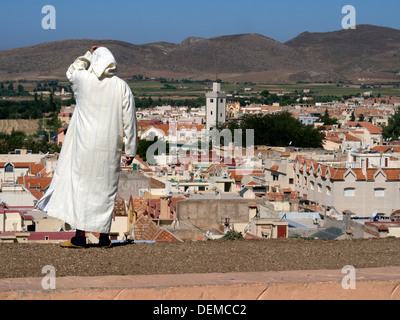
362, 188
216, 107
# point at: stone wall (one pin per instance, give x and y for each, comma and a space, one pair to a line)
206, 214
131, 182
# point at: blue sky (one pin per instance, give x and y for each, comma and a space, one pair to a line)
147, 21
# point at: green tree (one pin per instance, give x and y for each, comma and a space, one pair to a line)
143, 145
327, 120
265, 93
392, 130
279, 130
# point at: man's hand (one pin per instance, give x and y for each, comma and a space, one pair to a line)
94, 48
129, 160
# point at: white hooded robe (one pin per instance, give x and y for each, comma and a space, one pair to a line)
85, 183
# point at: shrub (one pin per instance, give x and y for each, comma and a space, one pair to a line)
232, 235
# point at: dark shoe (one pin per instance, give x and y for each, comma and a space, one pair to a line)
105, 242
73, 244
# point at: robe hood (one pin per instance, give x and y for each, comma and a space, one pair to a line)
103, 63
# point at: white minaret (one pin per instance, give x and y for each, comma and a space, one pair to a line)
216, 107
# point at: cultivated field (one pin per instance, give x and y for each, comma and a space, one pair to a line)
27, 126
174, 90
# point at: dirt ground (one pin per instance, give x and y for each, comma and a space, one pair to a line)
27, 260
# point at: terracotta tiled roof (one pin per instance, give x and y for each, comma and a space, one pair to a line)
18, 164
384, 149
315, 207
392, 174
139, 205
120, 207
274, 168
145, 229
34, 182
36, 193
367, 125
337, 174
253, 183
36, 168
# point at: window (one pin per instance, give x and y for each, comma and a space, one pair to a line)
312, 185
319, 187
275, 177
328, 191
349, 192
222, 100
9, 168
291, 181
211, 112
212, 100
379, 192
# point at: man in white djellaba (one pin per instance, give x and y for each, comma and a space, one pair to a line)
85, 183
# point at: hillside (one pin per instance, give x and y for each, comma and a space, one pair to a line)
368, 52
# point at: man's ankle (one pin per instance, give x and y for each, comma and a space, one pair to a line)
104, 238
79, 241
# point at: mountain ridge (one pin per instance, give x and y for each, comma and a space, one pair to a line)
370, 52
